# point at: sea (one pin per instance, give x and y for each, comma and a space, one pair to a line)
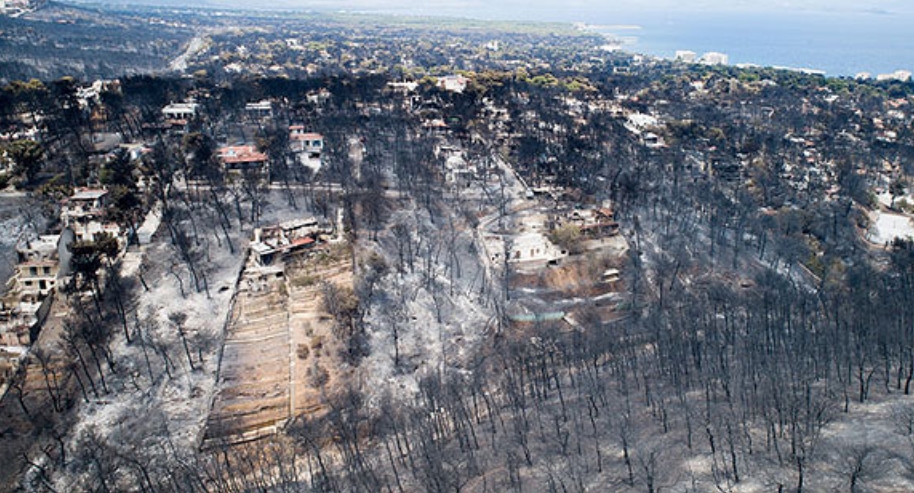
837, 43
841, 42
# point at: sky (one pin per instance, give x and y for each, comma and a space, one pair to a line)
563, 9
541, 10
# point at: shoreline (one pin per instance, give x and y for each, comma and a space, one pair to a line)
620, 43
833, 44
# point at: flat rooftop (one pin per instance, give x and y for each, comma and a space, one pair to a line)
88, 194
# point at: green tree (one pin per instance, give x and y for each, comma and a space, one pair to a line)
897, 188
567, 237
118, 171
200, 150
85, 261
106, 244
29, 96
27, 156
126, 207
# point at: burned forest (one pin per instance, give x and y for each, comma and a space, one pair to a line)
305, 253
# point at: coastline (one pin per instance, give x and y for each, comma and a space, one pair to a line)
834, 44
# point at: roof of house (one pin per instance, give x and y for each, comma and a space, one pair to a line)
88, 194
435, 123
182, 107
298, 223
259, 105
241, 154
306, 136
307, 240
39, 248
261, 248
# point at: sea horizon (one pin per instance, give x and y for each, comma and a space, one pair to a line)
841, 44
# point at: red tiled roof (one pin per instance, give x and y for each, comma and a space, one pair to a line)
306, 136
241, 154
307, 240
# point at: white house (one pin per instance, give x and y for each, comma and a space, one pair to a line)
36, 272
533, 247
33, 282
452, 83
899, 75
180, 111
685, 56
319, 97
305, 142
715, 58
525, 247
403, 87
259, 109
84, 203
84, 213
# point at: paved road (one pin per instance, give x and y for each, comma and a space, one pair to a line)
179, 64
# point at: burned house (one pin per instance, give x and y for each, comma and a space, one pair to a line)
27, 300
457, 171
726, 169
526, 248
596, 223
36, 272
274, 243
85, 214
